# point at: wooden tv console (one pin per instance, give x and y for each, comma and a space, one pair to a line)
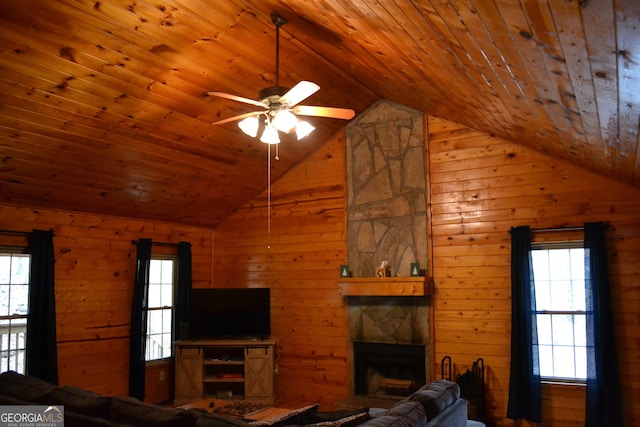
227, 369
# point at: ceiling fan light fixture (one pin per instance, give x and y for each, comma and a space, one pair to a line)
281, 105
250, 126
304, 128
285, 121
270, 135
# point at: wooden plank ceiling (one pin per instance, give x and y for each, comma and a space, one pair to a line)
103, 104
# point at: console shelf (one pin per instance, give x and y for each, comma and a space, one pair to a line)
238, 369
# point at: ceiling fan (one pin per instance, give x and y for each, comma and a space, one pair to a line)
280, 105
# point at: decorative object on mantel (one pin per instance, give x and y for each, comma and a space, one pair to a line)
344, 270
415, 269
384, 270
388, 286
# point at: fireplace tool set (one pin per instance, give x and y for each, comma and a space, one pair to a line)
471, 384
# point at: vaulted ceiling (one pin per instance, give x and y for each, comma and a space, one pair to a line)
104, 105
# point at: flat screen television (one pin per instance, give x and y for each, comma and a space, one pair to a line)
229, 313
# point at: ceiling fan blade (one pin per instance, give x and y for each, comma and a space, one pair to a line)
239, 99
299, 92
234, 118
332, 112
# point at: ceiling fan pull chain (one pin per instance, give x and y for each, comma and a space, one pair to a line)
269, 198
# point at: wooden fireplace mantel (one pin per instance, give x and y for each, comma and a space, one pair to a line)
415, 286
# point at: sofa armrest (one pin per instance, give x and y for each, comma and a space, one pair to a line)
453, 416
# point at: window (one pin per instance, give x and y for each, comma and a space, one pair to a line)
558, 272
14, 308
160, 313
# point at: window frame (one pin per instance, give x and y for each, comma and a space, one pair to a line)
174, 259
547, 246
17, 250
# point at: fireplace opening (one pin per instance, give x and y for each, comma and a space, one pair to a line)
388, 370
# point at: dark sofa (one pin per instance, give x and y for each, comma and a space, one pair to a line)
436, 404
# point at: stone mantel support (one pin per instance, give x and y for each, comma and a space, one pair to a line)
415, 286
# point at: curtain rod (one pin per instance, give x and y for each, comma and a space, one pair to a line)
538, 230
544, 230
174, 245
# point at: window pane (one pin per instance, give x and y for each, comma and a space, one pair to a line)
577, 279
167, 271
166, 296
4, 299
20, 269
578, 294
5, 269
562, 326
580, 330
545, 354
166, 333
543, 295
544, 329
19, 299
154, 295
155, 273
166, 346
540, 262
561, 295
581, 362
154, 322
559, 265
564, 362
577, 264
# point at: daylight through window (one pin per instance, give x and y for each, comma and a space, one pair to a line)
14, 308
160, 313
558, 272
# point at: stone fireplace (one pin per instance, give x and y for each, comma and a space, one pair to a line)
386, 190
387, 221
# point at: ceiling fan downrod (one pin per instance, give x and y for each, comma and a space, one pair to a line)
278, 21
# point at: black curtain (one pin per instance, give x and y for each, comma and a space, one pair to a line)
42, 354
603, 381
525, 395
138, 335
183, 292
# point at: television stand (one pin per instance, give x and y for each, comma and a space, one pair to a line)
225, 369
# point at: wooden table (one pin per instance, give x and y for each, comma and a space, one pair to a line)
259, 414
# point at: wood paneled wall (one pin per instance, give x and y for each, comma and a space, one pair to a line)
482, 186
95, 273
307, 245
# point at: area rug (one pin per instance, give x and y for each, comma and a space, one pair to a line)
239, 408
